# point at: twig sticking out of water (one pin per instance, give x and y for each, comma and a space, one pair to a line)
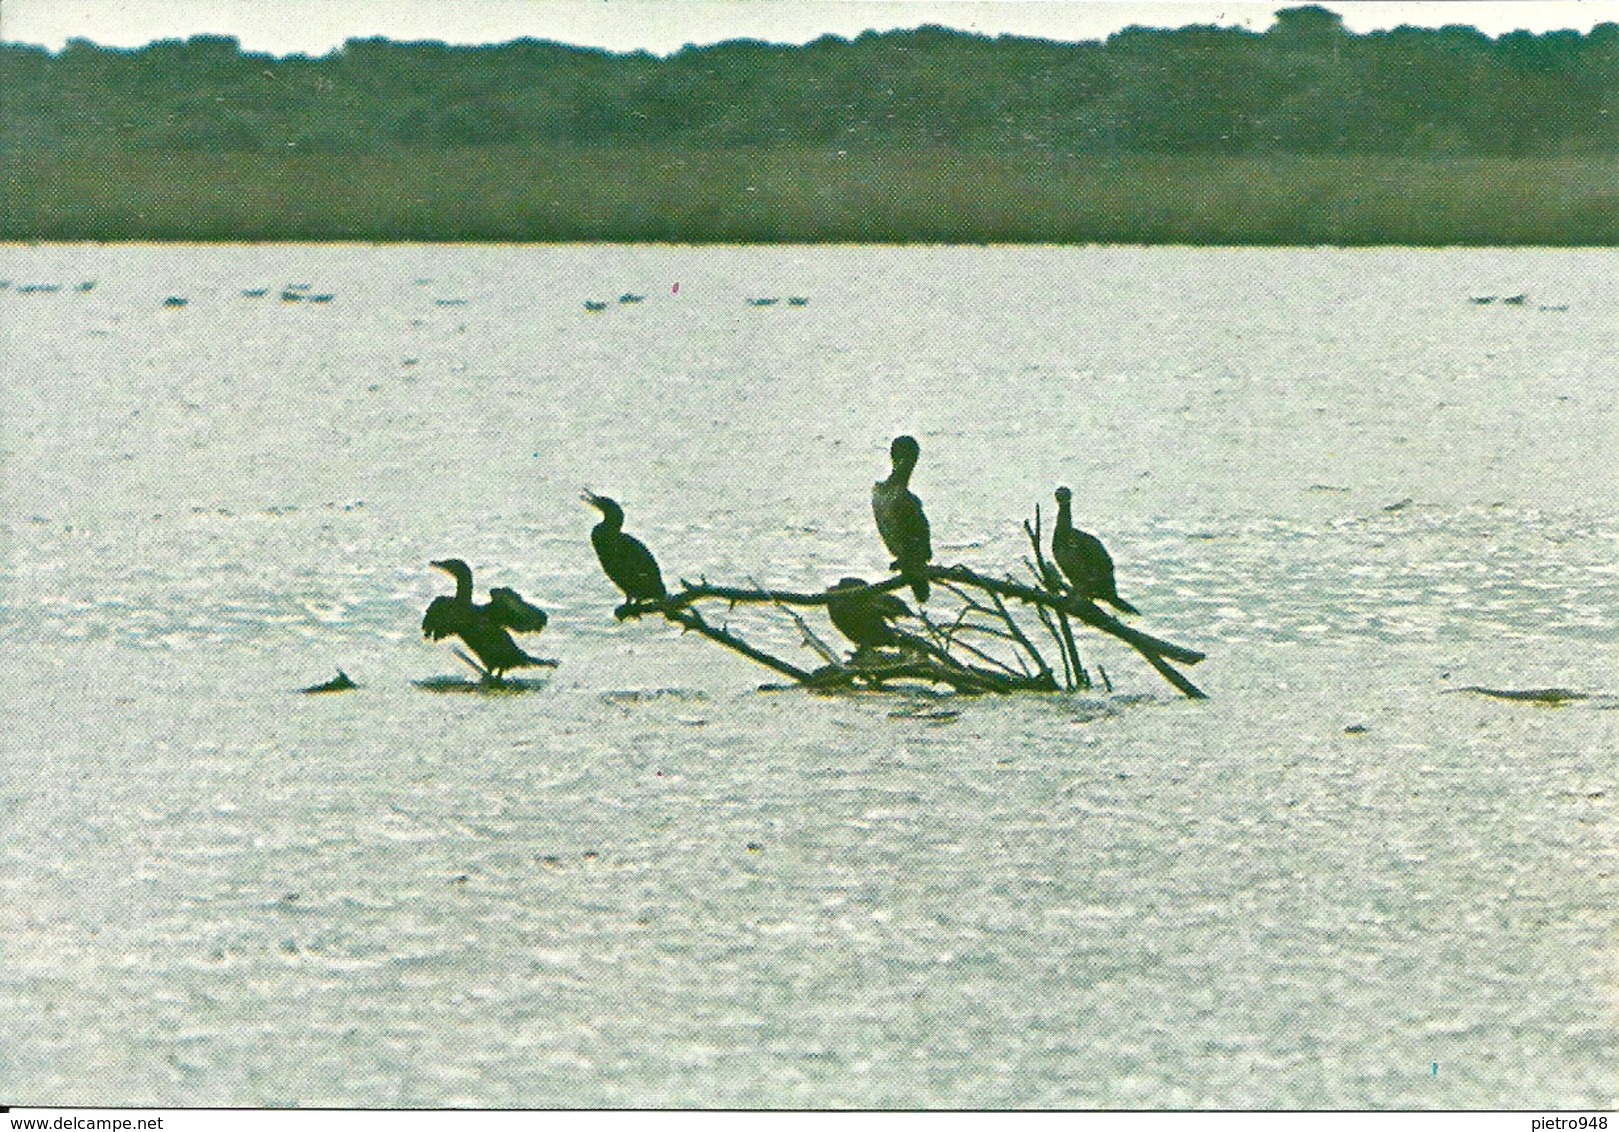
944, 655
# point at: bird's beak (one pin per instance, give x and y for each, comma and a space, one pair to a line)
440, 564
588, 496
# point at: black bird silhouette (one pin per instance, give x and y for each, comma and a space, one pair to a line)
900, 519
487, 628
1084, 559
625, 558
863, 616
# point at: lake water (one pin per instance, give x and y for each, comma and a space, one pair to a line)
650, 883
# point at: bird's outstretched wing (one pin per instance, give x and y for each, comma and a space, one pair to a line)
440, 621
508, 608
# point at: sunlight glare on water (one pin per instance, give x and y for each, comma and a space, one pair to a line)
650, 883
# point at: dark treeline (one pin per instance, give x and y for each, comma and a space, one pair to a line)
1306, 86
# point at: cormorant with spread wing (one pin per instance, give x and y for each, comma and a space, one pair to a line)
863, 616
486, 628
900, 519
1084, 559
625, 558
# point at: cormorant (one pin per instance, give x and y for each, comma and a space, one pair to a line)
624, 557
863, 616
1084, 559
486, 629
900, 519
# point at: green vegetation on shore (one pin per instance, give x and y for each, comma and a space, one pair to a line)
1303, 135
772, 196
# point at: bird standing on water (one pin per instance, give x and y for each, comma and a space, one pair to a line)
625, 558
900, 519
1084, 559
863, 616
486, 628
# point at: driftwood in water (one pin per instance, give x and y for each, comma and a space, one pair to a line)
1532, 695
980, 647
338, 683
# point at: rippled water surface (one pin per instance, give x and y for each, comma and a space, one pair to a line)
649, 883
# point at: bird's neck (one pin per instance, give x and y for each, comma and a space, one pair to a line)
1065, 517
611, 524
463, 588
900, 477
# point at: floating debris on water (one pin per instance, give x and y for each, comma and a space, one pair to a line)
763, 302
627, 297
38, 288
338, 683
175, 301
593, 305
289, 295
1514, 300
255, 292
1528, 695
321, 298
797, 301
1481, 300
647, 695
449, 302
1356, 729
87, 285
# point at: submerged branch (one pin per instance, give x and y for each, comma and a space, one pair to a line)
934, 660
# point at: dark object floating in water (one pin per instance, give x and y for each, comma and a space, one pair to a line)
449, 302
255, 292
935, 716
321, 298
1557, 307
87, 285
763, 302
627, 297
593, 305
1356, 729
1514, 300
1481, 300
289, 295
1529, 695
798, 301
480, 687
174, 301
39, 288
338, 683
1400, 506
299, 286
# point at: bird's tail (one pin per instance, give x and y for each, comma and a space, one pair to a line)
918, 581
1119, 603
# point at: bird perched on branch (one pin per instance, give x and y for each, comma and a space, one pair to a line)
1084, 559
486, 628
625, 558
863, 616
900, 519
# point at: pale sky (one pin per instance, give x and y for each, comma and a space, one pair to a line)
315, 27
